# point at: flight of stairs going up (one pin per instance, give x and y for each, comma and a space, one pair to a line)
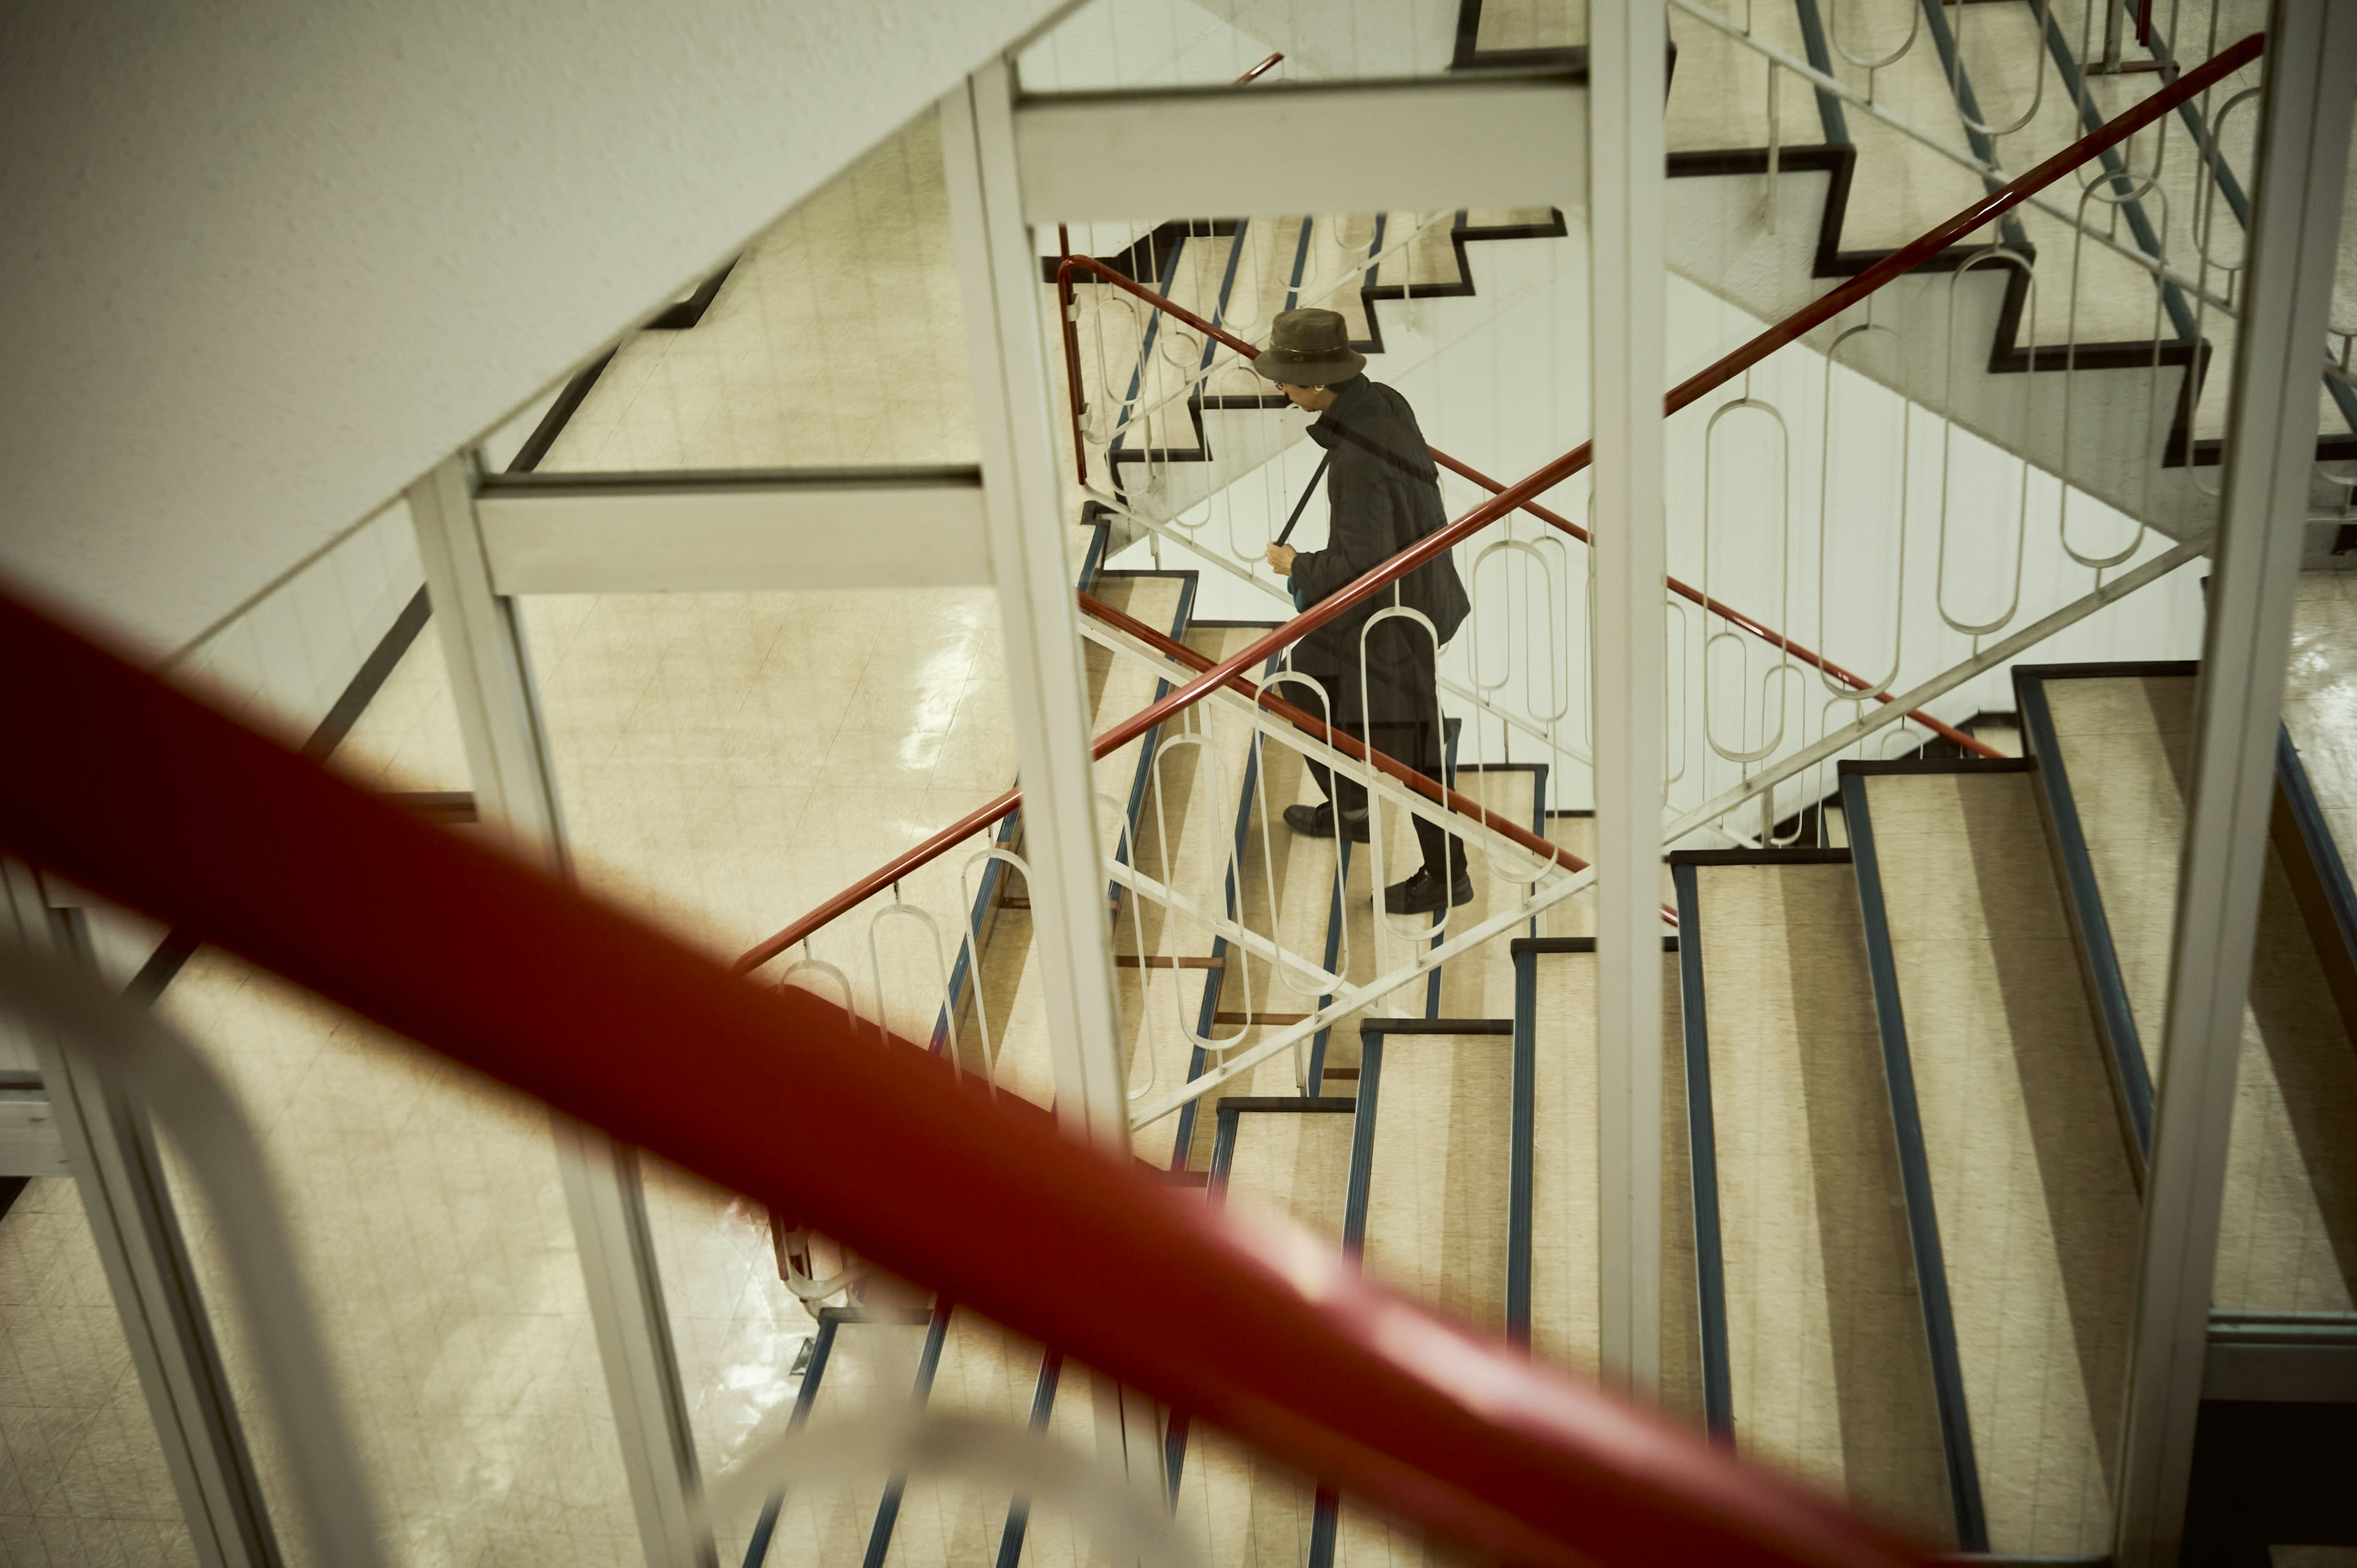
1815, 1339
2113, 742
1407, 284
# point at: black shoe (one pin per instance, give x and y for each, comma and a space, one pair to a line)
1319, 822
1420, 893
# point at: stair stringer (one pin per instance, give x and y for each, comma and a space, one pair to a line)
2121, 410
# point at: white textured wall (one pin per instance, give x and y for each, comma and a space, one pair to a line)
282, 664
264, 261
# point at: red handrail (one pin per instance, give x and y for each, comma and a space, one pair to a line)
1349, 746
150, 798
1984, 211
1557, 520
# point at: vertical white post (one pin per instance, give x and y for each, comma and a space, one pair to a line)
118, 1169
515, 786
2303, 152
998, 283
1627, 316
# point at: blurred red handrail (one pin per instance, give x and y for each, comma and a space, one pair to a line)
1509, 498
150, 798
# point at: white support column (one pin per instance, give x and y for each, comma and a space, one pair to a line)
999, 281
1628, 321
2311, 71
1023, 503
515, 786
118, 1171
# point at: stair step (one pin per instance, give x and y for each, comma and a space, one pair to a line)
2114, 744
1820, 1327
2036, 1205
1558, 975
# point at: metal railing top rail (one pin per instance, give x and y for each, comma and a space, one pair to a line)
1248, 1323
1986, 210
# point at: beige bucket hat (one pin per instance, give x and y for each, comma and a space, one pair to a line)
1310, 348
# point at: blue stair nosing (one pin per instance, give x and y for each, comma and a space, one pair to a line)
1702, 1154
1326, 1507
2316, 837
2131, 1076
756, 1548
1018, 1511
887, 1507
1206, 1017
1521, 1155
1915, 1173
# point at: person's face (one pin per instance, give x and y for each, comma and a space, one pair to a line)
1315, 400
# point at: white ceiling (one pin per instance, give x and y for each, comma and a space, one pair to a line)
262, 261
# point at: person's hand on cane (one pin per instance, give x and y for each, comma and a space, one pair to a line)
1281, 557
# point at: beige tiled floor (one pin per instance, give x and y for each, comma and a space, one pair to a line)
838, 341
81, 1477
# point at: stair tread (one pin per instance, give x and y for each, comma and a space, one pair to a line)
832, 1522
1565, 1282
2290, 1210
2037, 1207
1829, 1371
985, 1371
1439, 1174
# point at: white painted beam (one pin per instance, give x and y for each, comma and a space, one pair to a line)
1269, 148
922, 530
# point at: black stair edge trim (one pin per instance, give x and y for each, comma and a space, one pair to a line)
1043, 1404
2117, 669
2319, 877
1758, 857
1334, 918
1521, 945
1326, 1505
1116, 895
1143, 259
1906, 764
1460, 235
888, 1506
2082, 902
1435, 1027
1286, 1104
1215, 982
1702, 1154
1521, 1155
1915, 1179
1452, 731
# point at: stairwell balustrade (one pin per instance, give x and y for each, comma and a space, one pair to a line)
1526, 875
923, 1173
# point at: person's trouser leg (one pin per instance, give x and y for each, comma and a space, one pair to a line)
1420, 746
1348, 795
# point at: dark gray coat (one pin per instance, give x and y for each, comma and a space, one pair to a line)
1385, 495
